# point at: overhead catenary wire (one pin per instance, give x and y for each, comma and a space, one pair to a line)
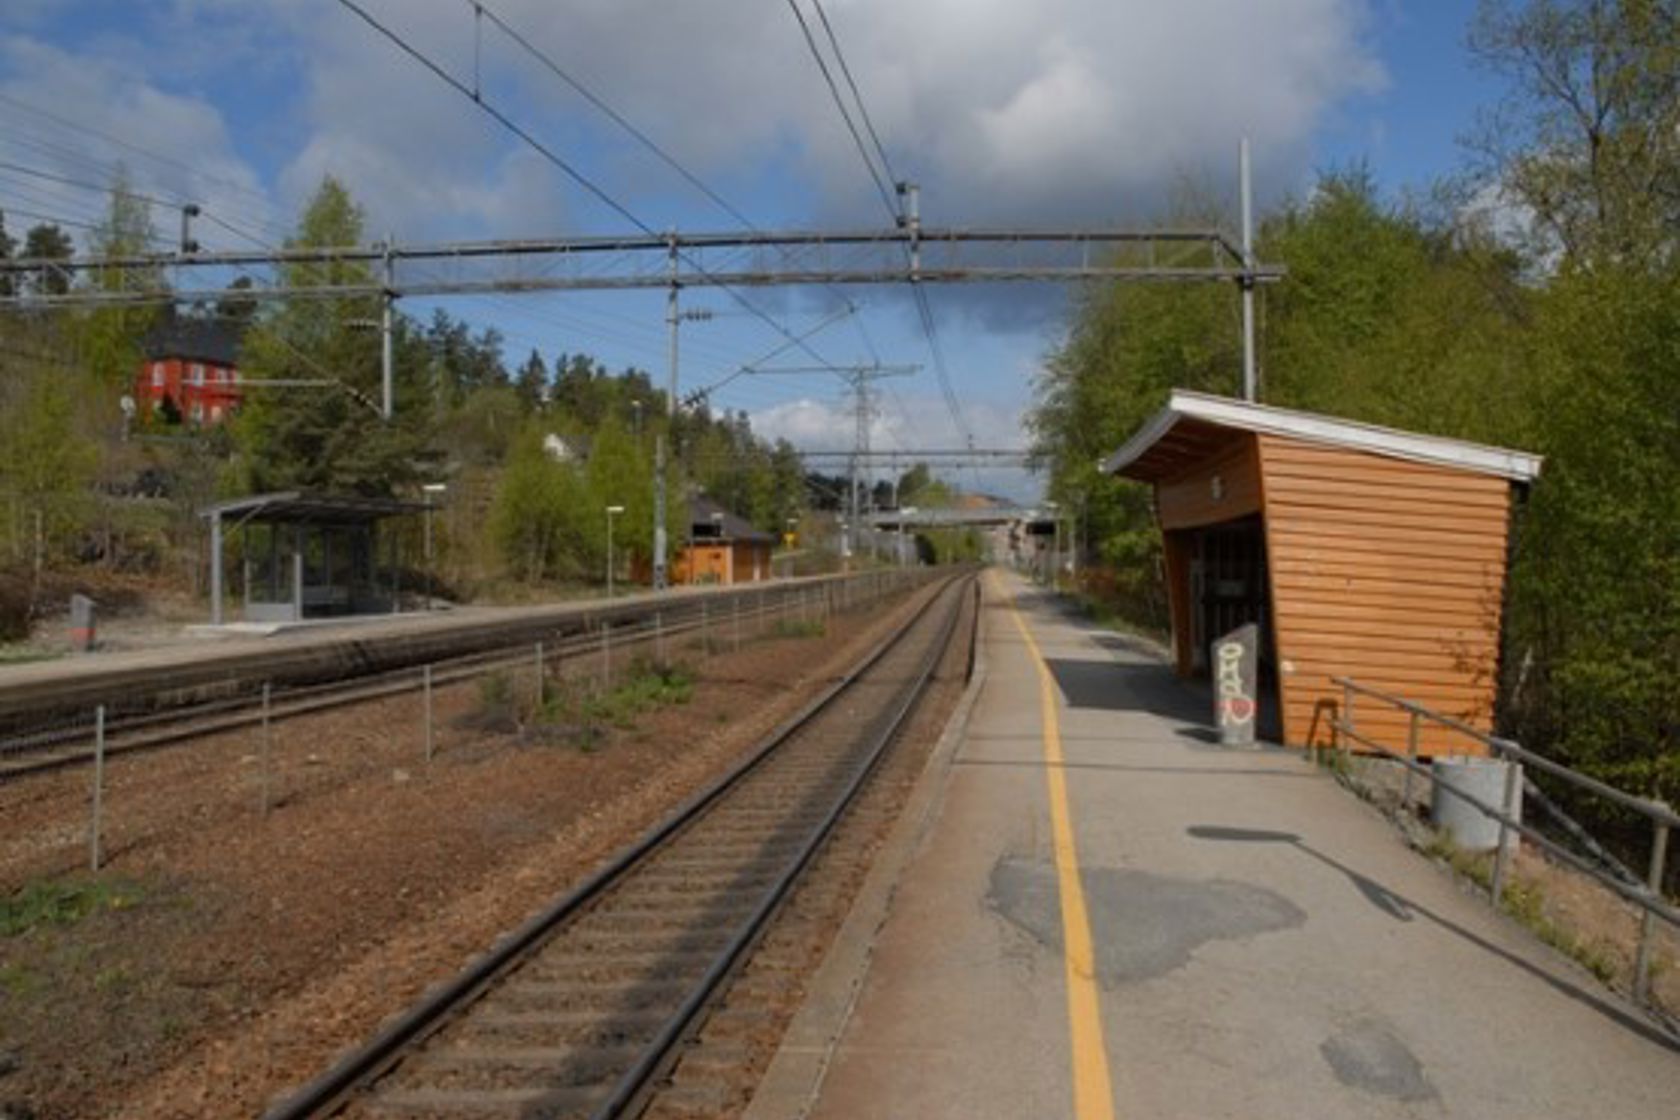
863, 110
565, 167
923, 310
845, 113
484, 11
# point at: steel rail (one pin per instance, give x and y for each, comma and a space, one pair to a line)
333, 1088
634, 1083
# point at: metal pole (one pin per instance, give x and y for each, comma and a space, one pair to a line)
735, 606
659, 637
606, 657
387, 393
1502, 855
609, 555
1411, 754
98, 782
266, 746
540, 690
431, 587
1250, 376
1647, 924
672, 321
1345, 742
426, 692
660, 580
216, 569
705, 628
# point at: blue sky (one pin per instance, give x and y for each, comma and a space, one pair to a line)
1058, 113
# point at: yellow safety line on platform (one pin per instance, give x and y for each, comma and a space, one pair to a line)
1093, 1093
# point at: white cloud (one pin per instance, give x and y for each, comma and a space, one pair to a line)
1049, 112
173, 146
906, 421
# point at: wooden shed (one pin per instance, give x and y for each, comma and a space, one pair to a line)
1361, 551
722, 547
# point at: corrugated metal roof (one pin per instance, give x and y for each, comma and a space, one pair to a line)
1195, 423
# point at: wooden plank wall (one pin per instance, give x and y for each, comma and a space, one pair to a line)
1388, 572
1188, 499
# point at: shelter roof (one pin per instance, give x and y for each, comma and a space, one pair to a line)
702, 511
295, 506
1195, 425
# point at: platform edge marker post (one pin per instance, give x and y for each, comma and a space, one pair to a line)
265, 747
1647, 923
98, 784
538, 690
426, 699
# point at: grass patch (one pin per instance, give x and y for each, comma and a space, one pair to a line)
571, 713
62, 904
798, 628
648, 687
1525, 900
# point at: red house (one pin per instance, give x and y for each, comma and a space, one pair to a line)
194, 366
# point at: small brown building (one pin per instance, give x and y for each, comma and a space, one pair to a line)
722, 548
1361, 551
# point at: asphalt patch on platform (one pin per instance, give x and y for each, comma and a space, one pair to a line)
1370, 1057
1142, 925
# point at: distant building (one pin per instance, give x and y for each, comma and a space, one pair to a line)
722, 548
190, 369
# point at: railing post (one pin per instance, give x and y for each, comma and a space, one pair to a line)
606, 656
540, 690
1502, 854
1647, 924
1412, 757
98, 783
705, 629
266, 748
426, 699
1344, 740
735, 607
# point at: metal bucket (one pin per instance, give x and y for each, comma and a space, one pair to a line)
1480, 778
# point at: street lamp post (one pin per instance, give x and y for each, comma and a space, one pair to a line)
612, 511
431, 579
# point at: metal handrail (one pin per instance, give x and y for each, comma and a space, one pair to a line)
1655, 810
1648, 898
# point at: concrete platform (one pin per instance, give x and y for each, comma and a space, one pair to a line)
1121, 918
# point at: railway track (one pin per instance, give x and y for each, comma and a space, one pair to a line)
56, 743
581, 1011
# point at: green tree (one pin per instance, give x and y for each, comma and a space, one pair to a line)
111, 336
532, 383
46, 466
1587, 138
330, 436
535, 518
48, 242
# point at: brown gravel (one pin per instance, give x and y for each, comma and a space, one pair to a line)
241, 952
